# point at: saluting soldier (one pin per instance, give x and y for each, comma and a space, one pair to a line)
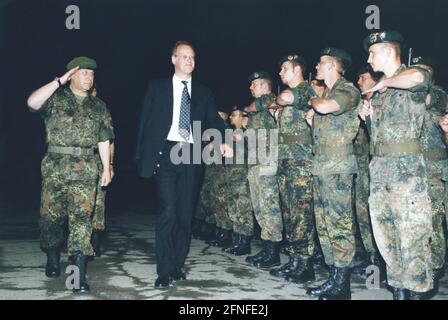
76, 124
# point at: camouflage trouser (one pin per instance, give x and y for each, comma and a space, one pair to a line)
362, 204
334, 218
437, 191
219, 202
98, 217
296, 196
402, 226
240, 207
59, 199
265, 201
202, 211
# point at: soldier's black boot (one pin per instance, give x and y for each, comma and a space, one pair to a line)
318, 256
80, 261
95, 240
317, 291
257, 256
208, 232
416, 295
400, 294
196, 228
243, 246
272, 256
213, 236
225, 238
293, 264
304, 274
53, 267
340, 290
235, 243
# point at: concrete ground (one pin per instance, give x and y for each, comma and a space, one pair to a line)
127, 270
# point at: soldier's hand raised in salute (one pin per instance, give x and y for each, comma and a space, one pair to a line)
68, 75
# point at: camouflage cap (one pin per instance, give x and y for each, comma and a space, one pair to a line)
427, 61
296, 58
259, 75
82, 63
383, 37
342, 55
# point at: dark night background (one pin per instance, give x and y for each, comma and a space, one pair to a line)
131, 41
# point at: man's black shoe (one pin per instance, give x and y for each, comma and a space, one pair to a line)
178, 275
162, 283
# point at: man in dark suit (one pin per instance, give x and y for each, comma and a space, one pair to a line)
172, 108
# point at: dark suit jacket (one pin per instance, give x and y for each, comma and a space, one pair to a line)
156, 118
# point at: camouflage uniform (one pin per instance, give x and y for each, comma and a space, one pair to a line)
240, 206
361, 150
98, 216
70, 182
294, 173
436, 158
334, 166
219, 197
262, 174
399, 204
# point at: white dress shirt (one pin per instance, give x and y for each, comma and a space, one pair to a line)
178, 87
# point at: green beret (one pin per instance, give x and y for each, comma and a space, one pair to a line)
82, 63
383, 37
427, 61
342, 55
259, 75
296, 58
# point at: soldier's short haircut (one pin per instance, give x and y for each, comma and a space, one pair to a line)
302, 66
181, 43
396, 47
341, 67
269, 83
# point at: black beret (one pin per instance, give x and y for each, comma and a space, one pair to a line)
343, 55
383, 37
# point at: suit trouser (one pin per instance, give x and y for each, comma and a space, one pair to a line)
175, 185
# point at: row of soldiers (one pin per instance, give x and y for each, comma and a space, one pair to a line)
381, 151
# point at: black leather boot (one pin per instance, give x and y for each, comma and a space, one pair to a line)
243, 246
318, 256
80, 261
416, 295
225, 239
257, 256
340, 290
235, 243
272, 256
303, 274
293, 264
53, 267
208, 232
400, 294
95, 240
317, 291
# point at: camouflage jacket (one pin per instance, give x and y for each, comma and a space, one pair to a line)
337, 130
397, 115
71, 125
259, 121
432, 137
292, 123
361, 143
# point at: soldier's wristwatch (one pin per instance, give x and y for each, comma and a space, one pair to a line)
58, 80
